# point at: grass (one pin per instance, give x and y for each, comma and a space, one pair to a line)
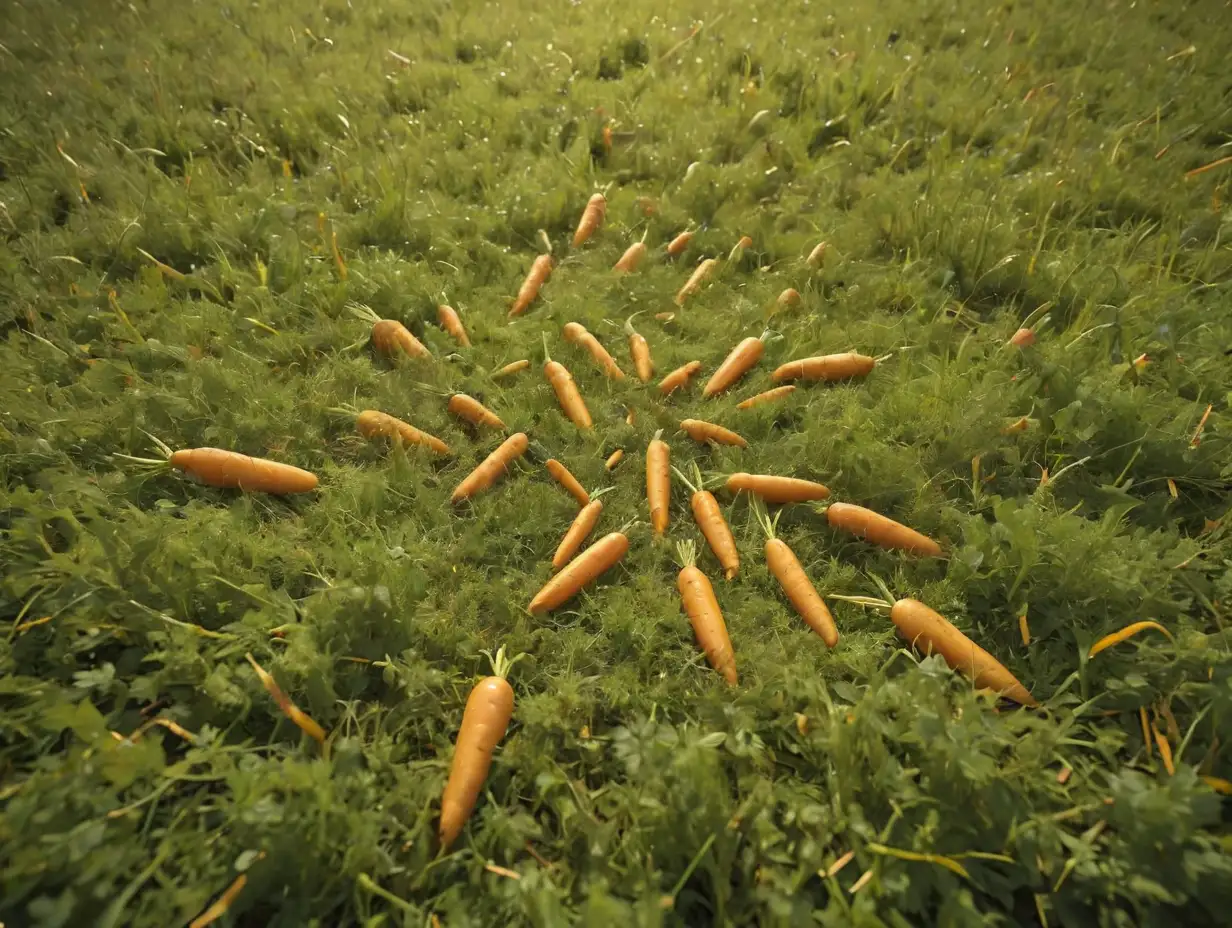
172, 180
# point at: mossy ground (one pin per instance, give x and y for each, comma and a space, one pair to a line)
970, 166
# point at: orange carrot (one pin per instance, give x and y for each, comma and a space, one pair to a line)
658, 482
484, 722
391, 338
709, 518
768, 396
679, 377
583, 523
677, 245
738, 363
704, 432
631, 258
698, 599
216, 467
630, 416
513, 367
578, 334
881, 531
825, 367
789, 297
448, 319
930, 633
473, 411
581, 572
1023, 338
777, 489
561, 475
786, 568
592, 218
639, 349
372, 423
616, 457
567, 393
496, 463
698, 276
817, 255
538, 274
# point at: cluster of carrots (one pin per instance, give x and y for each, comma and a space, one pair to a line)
490, 705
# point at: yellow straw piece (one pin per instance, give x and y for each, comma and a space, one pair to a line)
1127, 632
940, 860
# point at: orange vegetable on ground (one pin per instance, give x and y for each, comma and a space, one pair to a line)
704, 432
578, 334
616, 457
391, 338
583, 523
449, 320
496, 463
880, 530
371, 423
679, 377
777, 489
1023, 338
567, 393
580, 572
695, 281
825, 367
677, 245
639, 350
473, 411
513, 367
561, 475
217, 467
769, 396
631, 258
592, 218
817, 255
789, 297
709, 518
697, 597
484, 723
536, 277
790, 574
658, 482
737, 363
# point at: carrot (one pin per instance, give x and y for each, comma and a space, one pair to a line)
639, 350
768, 396
592, 218
561, 475
538, 274
495, 464
817, 255
679, 377
825, 367
473, 411
789, 297
448, 319
391, 338
630, 416
777, 489
881, 531
1126, 633
583, 523
704, 432
513, 367
698, 276
929, 632
1023, 338
737, 363
709, 518
297, 715
371, 423
578, 334
697, 597
581, 572
677, 245
484, 723
217, 467
631, 258
616, 457
786, 568
567, 393
658, 482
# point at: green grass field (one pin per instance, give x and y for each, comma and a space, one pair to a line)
173, 178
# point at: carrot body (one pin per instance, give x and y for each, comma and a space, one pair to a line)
496, 463
786, 568
561, 475
677, 245
538, 274
709, 518
930, 632
825, 367
217, 467
484, 722
513, 367
578, 334
1023, 338
738, 363
777, 489
658, 483
880, 530
703, 432
769, 396
372, 423
817, 255
697, 596
473, 411
789, 297
631, 258
581, 572
615, 458
639, 350
679, 377
583, 523
391, 338
567, 394
696, 279
451, 322
592, 218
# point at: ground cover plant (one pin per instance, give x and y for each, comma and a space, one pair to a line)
237, 708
